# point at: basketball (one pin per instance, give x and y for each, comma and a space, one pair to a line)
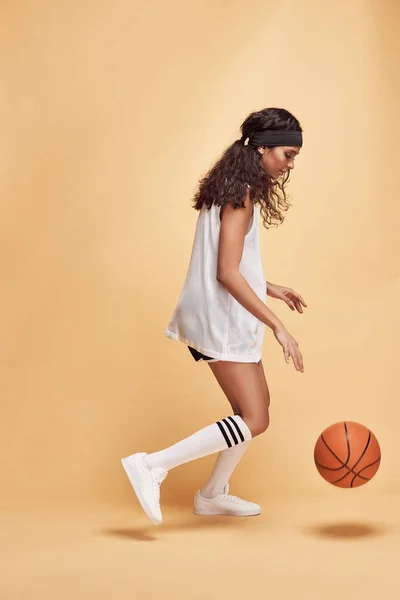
347, 454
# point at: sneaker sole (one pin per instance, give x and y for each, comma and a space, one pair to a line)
135, 484
204, 512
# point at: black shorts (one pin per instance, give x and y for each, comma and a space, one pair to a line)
199, 356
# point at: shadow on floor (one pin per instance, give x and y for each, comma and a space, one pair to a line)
152, 533
346, 530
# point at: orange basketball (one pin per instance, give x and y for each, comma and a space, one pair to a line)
347, 454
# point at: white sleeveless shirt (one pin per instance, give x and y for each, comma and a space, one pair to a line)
207, 317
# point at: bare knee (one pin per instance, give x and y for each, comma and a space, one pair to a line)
257, 424
246, 388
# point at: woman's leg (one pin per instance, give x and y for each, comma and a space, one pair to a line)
228, 459
147, 471
246, 388
242, 382
226, 433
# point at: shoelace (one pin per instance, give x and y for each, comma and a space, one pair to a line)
233, 498
156, 490
157, 479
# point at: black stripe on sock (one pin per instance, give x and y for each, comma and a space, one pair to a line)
238, 428
231, 431
228, 441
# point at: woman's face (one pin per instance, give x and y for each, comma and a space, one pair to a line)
278, 160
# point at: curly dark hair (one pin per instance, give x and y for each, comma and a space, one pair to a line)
240, 165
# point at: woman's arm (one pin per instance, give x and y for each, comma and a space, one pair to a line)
234, 223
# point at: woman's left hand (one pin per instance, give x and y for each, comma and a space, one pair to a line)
292, 298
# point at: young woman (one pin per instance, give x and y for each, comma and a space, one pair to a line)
221, 312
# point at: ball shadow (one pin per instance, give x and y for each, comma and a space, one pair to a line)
346, 530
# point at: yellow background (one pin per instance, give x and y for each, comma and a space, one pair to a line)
110, 113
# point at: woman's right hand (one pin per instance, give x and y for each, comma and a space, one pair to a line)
290, 347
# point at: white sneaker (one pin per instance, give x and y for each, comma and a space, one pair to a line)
224, 504
146, 483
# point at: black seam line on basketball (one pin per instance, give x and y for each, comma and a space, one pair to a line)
341, 478
349, 471
345, 465
337, 468
354, 466
348, 453
370, 465
355, 473
228, 441
238, 428
348, 456
332, 452
365, 449
331, 468
347, 441
360, 476
231, 431
363, 469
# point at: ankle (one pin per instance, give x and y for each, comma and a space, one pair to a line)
212, 492
148, 463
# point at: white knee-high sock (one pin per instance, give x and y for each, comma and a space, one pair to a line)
228, 433
224, 466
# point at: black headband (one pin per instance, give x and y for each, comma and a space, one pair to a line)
275, 137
